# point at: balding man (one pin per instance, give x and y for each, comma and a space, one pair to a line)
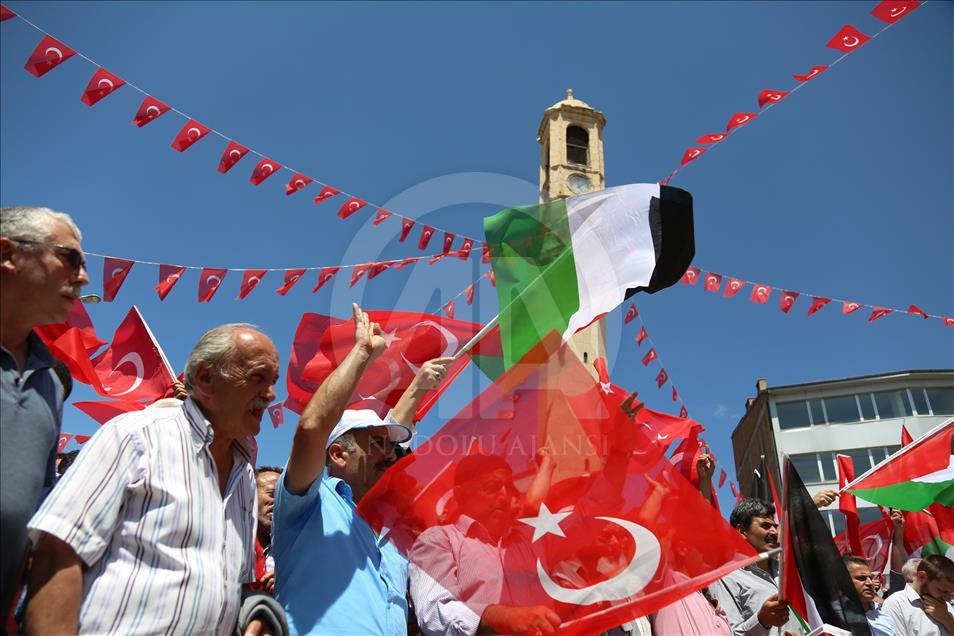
41, 273
153, 528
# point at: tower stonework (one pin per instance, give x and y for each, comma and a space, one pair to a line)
571, 162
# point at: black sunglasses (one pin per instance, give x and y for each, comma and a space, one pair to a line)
72, 255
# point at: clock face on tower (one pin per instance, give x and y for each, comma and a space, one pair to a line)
578, 183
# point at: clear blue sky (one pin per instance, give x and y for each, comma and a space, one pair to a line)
844, 189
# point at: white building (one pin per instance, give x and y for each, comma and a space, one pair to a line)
860, 417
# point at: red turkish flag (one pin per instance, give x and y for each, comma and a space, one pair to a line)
920, 528
82, 439
735, 491
649, 357
559, 537
631, 313
740, 119
691, 154
663, 429
684, 456
6, 14
760, 293
713, 282
448, 241
380, 216
190, 133
642, 335
771, 97
948, 322
250, 280
879, 312
322, 342
105, 411
891, 11
466, 247
406, 225
292, 276
150, 109
711, 139
812, 74
263, 170
469, 293
100, 85
732, 287
115, 271
683, 412
133, 367
426, 234
847, 39
874, 543
722, 477
277, 414
77, 319
485, 254
691, 276
449, 309
231, 155
914, 309
377, 268
298, 182
613, 394
63, 441
817, 303
408, 261
661, 378
210, 279
47, 55
357, 272
350, 206
849, 306
675, 395
788, 301
905, 436
169, 275
847, 504
326, 193
489, 275
324, 275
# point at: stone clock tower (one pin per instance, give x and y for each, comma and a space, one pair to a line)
571, 162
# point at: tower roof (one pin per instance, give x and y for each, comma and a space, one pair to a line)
571, 104
571, 101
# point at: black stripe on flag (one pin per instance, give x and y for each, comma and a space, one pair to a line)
671, 227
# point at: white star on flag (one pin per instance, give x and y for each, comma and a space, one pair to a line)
546, 522
606, 387
390, 337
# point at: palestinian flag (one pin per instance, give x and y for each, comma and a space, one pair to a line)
918, 475
814, 579
561, 265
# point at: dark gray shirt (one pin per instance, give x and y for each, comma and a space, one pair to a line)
31, 408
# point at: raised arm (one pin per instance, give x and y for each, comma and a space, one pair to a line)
327, 405
428, 377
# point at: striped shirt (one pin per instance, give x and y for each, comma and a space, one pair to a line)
165, 551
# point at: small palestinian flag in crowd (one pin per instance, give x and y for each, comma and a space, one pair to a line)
814, 580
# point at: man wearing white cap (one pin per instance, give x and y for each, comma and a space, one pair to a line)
333, 574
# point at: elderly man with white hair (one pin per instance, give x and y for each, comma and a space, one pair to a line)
153, 528
334, 575
42, 270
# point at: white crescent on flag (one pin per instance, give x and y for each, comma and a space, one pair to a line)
136, 360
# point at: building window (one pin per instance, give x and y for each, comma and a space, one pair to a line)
577, 145
942, 401
920, 402
867, 406
842, 409
808, 468
892, 404
792, 415
822, 468
818, 415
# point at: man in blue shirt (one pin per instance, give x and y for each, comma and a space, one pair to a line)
881, 623
333, 574
42, 271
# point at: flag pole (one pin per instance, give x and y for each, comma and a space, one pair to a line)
162, 354
477, 337
898, 453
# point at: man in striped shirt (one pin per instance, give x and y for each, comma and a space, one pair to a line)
153, 528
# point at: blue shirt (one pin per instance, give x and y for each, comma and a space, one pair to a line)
881, 624
333, 574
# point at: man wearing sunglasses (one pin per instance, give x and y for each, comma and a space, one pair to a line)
41, 274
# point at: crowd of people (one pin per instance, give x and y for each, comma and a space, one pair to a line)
163, 524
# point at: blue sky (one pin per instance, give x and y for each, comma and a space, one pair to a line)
431, 110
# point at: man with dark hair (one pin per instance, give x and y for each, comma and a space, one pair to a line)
750, 595
42, 271
266, 477
924, 607
64, 461
880, 623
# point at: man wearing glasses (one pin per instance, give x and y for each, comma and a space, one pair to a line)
41, 274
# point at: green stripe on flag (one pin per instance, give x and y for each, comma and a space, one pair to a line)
909, 495
532, 256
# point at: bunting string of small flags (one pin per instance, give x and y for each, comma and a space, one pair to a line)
51, 52
65, 440
761, 293
847, 40
116, 269
652, 354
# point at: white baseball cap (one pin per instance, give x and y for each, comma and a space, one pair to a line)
353, 419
